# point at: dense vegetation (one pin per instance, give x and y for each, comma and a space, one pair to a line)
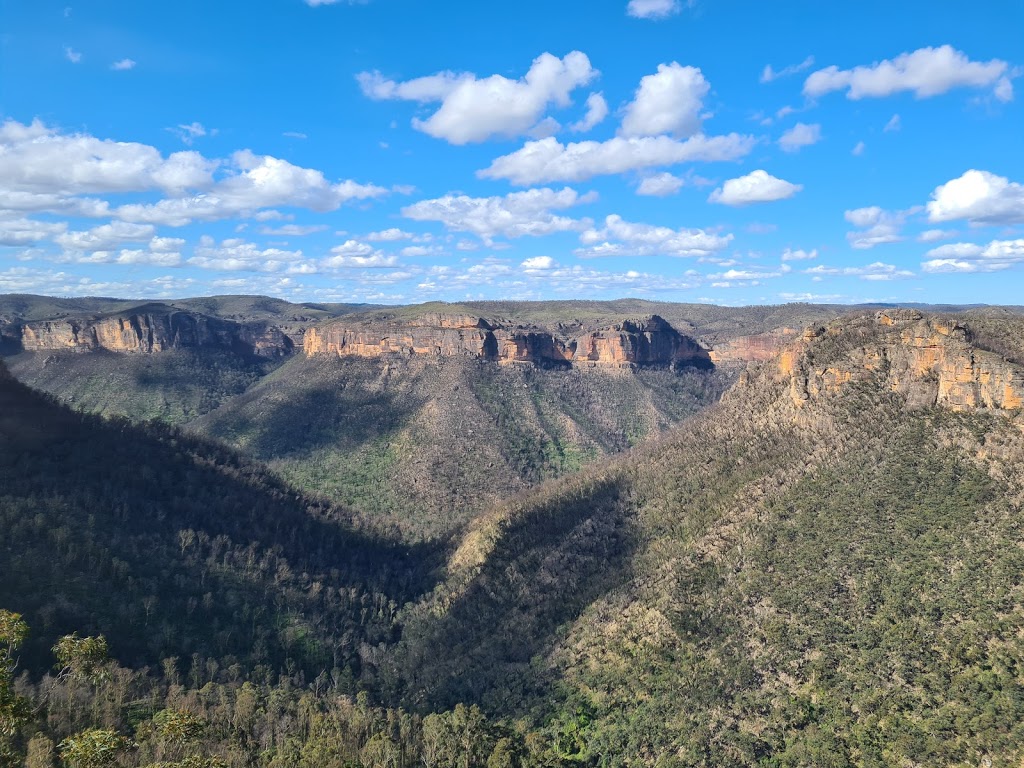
837, 583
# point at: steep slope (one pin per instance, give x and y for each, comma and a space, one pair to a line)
426, 442
824, 569
174, 547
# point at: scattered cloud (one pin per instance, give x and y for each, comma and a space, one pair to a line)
934, 235
548, 160
858, 149
756, 187
105, 237
877, 226
667, 102
971, 257
980, 197
624, 238
294, 230
925, 72
123, 65
72, 55
395, 234
597, 111
238, 255
877, 271
519, 214
894, 124
23, 231
800, 135
190, 132
799, 255
294, 135
660, 185
538, 263
768, 74
653, 9
474, 110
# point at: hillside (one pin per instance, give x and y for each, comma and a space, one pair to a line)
824, 569
173, 547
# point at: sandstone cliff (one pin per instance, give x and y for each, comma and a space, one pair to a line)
648, 341
930, 360
151, 330
757, 348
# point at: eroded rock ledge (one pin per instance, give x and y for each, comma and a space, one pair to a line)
146, 332
646, 341
929, 359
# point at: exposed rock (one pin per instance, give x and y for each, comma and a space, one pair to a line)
928, 359
757, 348
149, 332
648, 341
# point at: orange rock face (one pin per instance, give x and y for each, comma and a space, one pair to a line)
651, 341
929, 359
753, 349
147, 333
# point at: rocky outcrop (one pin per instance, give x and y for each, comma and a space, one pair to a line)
147, 332
647, 341
753, 349
930, 360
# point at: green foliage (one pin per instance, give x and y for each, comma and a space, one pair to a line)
94, 748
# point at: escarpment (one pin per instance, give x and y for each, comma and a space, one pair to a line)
930, 360
150, 331
647, 341
756, 348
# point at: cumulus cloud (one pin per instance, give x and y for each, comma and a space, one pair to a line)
756, 187
768, 74
877, 226
23, 231
105, 237
800, 135
395, 234
925, 72
238, 255
190, 132
624, 238
548, 160
519, 214
72, 55
597, 111
538, 264
980, 197
259, 181
877, 271
660, 185
799, 255
933, 235
294, 230
667, 102
354, 254
972, 257
474, 110
123, 65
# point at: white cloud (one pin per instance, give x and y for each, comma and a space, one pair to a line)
518, 214
877, 271
294, 135
394, 234
668, 102
474, 110
934, 235
22, 232
548, 160
236, 255
799, 255
653, 9
858, 149
926, 72
756, 187
1003, 90
538, 263
415, 251
877, 226
800, 135
72, 55
980, 197
971, 257
660, 185
105, 237
375, 260
624, 238
768, 74
190, 132
261, 181
294, 230
894, 124
123, 65
597, 111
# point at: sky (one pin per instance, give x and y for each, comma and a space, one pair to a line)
401, 151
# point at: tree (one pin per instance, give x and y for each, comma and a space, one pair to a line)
14, 710
94, 748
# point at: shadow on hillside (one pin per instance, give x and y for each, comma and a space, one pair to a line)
172, 546
549, 565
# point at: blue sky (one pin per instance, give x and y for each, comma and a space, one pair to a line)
398, 151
